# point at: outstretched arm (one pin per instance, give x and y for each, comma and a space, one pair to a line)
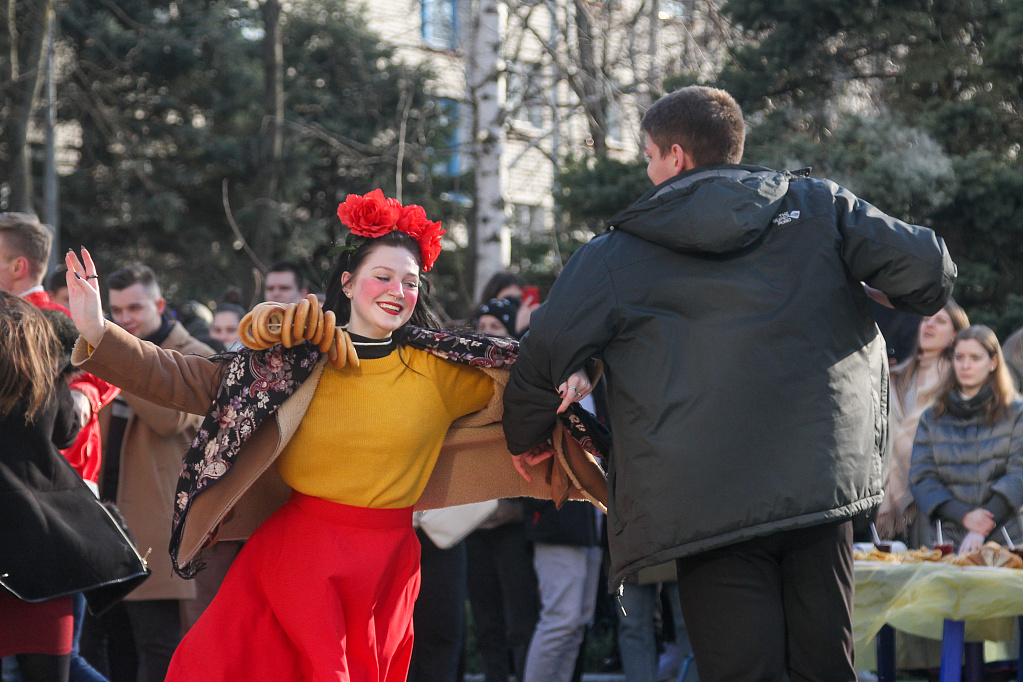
908, 263
573, 326
181, 382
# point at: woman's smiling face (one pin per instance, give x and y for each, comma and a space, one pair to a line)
383, 292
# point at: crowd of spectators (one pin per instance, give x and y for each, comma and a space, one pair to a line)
530, 573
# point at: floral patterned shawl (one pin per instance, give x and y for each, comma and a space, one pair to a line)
255, 383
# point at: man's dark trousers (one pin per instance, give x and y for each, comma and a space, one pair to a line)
775, 608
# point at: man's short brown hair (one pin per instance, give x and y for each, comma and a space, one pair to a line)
706, 122
121, 279
24, 235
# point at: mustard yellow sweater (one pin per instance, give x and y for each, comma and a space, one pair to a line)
372, 434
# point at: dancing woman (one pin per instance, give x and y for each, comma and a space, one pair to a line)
324, 588
967, 467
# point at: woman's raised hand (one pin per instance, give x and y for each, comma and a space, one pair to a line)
83, 294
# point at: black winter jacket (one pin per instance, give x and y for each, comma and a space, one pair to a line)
56, 538
747, 381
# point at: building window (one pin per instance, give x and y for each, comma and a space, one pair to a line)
440, 23
527, 222
450, 161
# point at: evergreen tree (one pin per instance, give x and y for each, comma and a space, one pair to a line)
867, 90
169, 99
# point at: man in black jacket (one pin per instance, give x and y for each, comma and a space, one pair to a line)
747, 385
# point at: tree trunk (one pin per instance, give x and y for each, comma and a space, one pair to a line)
589, 82
492, 241
27, 31
653, 73
267, 212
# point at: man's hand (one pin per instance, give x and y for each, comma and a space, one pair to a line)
971, 543
532, 458
83, 407
979, 521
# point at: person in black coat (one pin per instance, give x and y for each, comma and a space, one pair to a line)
56, 539
747, 385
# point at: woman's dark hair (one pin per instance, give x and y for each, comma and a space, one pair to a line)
350, 261
29, 357
499, 281
230, 308
1002, 388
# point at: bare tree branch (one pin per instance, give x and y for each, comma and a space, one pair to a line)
237, 232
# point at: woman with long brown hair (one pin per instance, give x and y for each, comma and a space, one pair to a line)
34, 415
915, 383
967, 466
56, 540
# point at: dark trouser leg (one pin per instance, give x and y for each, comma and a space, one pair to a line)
43, 668
156, 625
817, 570
772, 607
485, 598
108, 645
514, 554
732, 605
439, 616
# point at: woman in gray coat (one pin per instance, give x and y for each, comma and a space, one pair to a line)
967, 465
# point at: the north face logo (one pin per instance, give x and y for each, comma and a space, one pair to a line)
786, 217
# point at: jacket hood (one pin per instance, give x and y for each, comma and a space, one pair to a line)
710, 209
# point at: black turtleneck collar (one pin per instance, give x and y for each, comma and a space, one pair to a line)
161, 334
969, 408
373, 349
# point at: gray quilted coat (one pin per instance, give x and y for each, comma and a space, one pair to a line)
963, 458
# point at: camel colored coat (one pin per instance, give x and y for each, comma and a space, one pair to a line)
154, 441
474, 463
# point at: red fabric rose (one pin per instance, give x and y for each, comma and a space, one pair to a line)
413, 220
374, 215
429, 243
371, 215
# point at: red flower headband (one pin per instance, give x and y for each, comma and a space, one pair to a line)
372, 215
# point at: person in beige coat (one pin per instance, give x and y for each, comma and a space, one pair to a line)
149, 441
915, 385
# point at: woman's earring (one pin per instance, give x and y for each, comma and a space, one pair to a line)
348, 294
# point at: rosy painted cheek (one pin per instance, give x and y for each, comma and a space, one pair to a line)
374, 288
411, 296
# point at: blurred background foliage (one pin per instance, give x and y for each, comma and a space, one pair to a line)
915, 105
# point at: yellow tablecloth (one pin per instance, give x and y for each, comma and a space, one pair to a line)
916, 598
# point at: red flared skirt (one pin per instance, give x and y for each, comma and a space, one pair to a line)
320, 592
